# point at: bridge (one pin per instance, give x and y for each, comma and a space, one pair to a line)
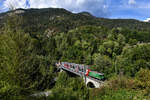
81, 71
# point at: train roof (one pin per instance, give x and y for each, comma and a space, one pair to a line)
98, 72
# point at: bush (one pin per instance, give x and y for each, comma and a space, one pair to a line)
69, 88
103, 64
118, 88
143, 81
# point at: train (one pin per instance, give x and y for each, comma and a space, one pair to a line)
81, 69
94, 74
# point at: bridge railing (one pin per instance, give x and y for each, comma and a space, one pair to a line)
78, 69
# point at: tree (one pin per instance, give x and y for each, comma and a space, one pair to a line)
103, 64
69, 88
133, 58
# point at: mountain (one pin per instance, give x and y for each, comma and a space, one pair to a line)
32, 41
61, 20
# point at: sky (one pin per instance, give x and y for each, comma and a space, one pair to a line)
126, 9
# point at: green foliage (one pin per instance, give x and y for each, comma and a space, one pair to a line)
24, 67
78, 45
143, 81
29, 50
119, 88
103, 64
69, 88
121, 94
133, 58
63, 93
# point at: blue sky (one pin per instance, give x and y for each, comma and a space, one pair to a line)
135, 9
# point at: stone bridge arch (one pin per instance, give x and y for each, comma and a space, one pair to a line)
92, 83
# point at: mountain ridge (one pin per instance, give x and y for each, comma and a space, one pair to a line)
63, 20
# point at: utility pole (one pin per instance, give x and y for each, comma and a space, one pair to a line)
84, 74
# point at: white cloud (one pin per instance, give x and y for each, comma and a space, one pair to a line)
96, 7
14, 4
131, 2
69, 4
147, 20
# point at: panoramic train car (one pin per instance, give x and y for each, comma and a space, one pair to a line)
95, 74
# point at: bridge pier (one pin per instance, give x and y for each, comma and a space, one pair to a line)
61, 70
92, 83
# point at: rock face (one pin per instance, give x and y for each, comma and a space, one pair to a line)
86, 14
19, 11
42, 94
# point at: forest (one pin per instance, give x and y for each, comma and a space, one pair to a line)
28, 54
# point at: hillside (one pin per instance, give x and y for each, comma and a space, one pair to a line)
32, 41
61, 20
